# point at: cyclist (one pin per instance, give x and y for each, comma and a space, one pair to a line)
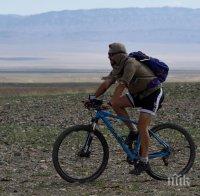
135, 76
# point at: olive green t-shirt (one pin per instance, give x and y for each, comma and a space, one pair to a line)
135, 75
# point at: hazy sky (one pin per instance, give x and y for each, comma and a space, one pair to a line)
26, 7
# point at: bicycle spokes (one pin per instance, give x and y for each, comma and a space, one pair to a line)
79, 154
172, 151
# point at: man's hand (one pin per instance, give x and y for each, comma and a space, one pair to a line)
92, 102
88, 102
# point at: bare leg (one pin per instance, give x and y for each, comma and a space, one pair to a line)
119, 108
143, 123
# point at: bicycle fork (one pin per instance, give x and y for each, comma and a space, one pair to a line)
85, 151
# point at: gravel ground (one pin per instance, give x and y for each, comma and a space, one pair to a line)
31, 123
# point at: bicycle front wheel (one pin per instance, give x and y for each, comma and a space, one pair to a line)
80, 154
181, 156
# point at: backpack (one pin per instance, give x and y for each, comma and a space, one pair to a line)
159, 68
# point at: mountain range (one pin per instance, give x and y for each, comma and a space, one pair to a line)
154, 25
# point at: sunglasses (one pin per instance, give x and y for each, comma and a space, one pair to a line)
112, 54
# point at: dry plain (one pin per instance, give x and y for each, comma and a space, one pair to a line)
32, 115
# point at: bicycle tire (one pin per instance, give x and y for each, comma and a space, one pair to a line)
156, 175
58, 142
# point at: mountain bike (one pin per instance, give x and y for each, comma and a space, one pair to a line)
81, 152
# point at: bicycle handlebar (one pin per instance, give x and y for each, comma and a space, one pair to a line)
96, 104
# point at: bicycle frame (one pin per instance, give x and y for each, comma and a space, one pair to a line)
132, 154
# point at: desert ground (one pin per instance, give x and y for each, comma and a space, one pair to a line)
32, 116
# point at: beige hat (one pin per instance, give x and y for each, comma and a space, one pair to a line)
115, 48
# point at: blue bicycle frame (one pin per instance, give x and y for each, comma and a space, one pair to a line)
132, 154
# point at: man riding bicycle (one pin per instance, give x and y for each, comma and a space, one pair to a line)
135, 76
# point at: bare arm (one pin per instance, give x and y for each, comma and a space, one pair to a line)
103, 87
118, 92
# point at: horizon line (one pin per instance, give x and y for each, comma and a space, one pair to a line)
106, 8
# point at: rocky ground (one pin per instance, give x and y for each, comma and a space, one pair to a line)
30, 123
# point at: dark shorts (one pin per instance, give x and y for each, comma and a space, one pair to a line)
149, 104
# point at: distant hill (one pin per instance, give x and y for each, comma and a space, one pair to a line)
157, 25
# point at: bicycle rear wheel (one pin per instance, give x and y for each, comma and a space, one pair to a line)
182, 152
76, 162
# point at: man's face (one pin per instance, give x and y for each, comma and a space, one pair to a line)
111, 57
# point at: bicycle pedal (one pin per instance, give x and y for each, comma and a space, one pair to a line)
165, 160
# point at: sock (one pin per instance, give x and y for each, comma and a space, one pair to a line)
144, 159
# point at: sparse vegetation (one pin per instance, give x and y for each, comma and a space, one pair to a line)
30, 123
